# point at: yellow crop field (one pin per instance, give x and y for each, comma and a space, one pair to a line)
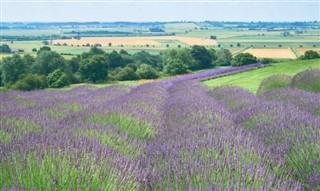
131, 41
104, 41
301, 51
271, 52
235, 50
4, 55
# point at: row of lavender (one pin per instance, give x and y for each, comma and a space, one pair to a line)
285, 117
169, 135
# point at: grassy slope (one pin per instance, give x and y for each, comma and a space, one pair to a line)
251, 79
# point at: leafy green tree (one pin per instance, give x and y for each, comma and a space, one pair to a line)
202, 56
133, 66
182, 54
144, 57
224, 57
243, 59
57, 79
96, 50
73, 64
12, 68
71, 77
45, 42
94, 68
123, 52
126, 57
31, 82
48, 61
93, 51
115, 60
126, 73
147, 72
113, 73
175, 67
28, 59
5, 48
213, 37
44, 48
311, 54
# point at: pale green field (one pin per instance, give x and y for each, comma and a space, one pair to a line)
251, 79
180, 27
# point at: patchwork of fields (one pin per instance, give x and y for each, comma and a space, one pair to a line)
138, 41
134, 38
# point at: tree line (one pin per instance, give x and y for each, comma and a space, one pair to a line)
49, 69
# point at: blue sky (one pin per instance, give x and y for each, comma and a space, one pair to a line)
238, 10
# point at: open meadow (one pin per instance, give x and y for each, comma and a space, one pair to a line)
250, 80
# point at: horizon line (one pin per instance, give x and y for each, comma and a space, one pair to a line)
155, 21
160, 1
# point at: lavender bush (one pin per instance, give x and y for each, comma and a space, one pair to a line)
305, 100
273, 82
287, 131
173, 134
307, 80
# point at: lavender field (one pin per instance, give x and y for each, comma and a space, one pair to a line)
174, 134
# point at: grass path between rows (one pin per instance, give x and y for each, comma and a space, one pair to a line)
251, 79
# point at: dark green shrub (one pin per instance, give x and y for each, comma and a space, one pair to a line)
243, 59
310, 54
175, 67
126, 73
30, 82
57, 79
147, 72
5, 48
266, 60
94, 68
224, 57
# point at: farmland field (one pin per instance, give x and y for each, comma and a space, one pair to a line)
235, 50
250, 80
134, 37
301, 51
271, 52
116, 41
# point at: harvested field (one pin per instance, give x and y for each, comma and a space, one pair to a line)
115, 41
235, 50
186, 40
104, 41
301, 51
281, 40
4, 55
271, 52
